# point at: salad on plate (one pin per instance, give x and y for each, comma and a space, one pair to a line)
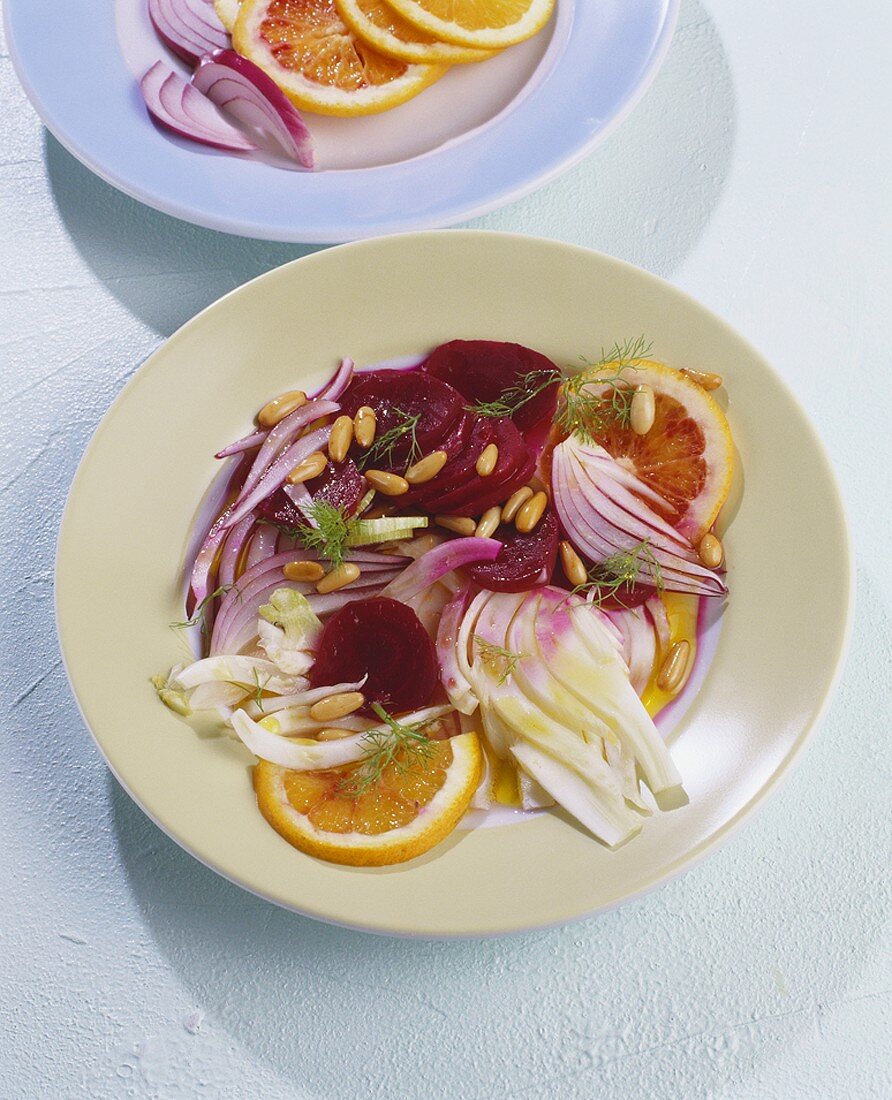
460, 587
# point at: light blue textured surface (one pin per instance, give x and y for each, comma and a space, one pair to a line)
755, 175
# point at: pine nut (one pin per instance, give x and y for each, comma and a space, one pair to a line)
530, 513
486, 463
461, 525
333, 734
270, 723
339, 577
336, 706
643, 410
514, 502
340, 438
674, 669
711, 551
312, 466
310, 571
574, 567
488, 523
382, 512
280, 407
391, 485
705, 379
426, 468
365, 424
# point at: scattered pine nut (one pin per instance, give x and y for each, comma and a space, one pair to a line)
488, 522
461, 525
312, 466
643, 410
270, 723
365, 424
391, 485
705, 379
573, 565
309, 571
280, 407
530, 513
339, 577
674, 669
340, 438
333, 734
711, 551
486, 463
513, 503
336, 706
426, 468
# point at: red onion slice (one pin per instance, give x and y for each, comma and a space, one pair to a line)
334, 390
246, 443
180, 108
190, 28
243, 90
438, 562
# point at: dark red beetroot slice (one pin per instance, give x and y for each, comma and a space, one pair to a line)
396, 394
514, 456
481, 370
521, 559
383, 639
459, 470
341, 485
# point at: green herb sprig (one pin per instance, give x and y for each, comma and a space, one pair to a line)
199, 615
621, 570
382, 450
525, 388
259, 688
407, 748
585, 411
500, 661
328, 537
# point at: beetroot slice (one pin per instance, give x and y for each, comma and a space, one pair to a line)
384, 640
456, 446
514, 455
394, 395
341, 484
481, 370
521, 559
459, 470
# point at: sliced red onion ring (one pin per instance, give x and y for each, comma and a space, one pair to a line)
333, 390
284, 433
190, 28
603, 509
439, 561
276, 474
263, 545
232, 550
246, 443
183, 110
243, 90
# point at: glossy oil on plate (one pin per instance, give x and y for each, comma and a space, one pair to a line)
482, 136
135, 497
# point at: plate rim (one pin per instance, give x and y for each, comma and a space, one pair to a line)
394, 224
665, 873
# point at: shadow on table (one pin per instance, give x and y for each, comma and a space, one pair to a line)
646, 196
162, 269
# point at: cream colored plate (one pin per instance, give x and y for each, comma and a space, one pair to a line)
135, 494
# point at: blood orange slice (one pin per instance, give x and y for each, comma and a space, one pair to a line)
687, 456
319, 63
412, 806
